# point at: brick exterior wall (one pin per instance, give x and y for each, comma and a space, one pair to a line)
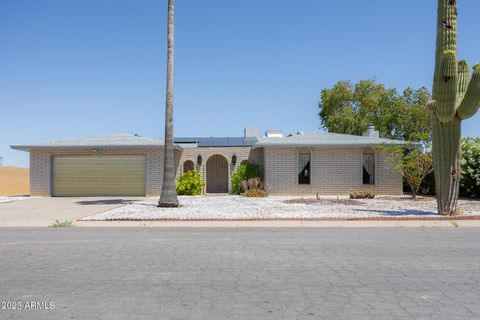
41, 164
242, 153
41, 167
334, 171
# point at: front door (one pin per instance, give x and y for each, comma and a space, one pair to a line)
217, 174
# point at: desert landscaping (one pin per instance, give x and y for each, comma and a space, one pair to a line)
14, 181
282, 207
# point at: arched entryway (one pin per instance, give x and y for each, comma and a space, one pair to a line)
217, 174
188, 166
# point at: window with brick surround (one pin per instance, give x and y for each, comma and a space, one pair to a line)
368, 166
304, 159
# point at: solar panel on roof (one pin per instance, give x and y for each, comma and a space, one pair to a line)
235, 141
205, 142
185, 140
220, 142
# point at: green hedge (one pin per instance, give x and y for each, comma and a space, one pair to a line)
190, 184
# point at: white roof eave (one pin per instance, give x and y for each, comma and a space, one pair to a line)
28, 148
326, 145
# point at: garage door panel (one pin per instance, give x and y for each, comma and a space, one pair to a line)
99, 175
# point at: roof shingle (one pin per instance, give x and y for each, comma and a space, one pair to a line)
326, 139
122, 140
117, 140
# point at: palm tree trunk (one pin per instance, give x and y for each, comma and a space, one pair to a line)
168, 196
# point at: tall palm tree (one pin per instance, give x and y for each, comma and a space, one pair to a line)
168, 196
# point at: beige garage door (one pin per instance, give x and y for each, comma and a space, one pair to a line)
99, 176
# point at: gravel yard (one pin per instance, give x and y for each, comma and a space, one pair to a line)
276, 207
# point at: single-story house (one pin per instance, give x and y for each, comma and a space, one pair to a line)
130, 165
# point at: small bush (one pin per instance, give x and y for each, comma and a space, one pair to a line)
190, 184
244, 172
252, 184
61, 224
253, 187
255, 193
354, 194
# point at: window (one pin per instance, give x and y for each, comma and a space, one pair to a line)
188, 166
304, 158
368, 166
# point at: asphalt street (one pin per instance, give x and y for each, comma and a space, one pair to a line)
261, 273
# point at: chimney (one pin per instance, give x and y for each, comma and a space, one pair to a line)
251, 132
371, 132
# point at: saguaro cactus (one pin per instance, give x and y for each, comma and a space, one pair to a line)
456, 97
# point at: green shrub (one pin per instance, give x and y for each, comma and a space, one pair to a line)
190, 184
61, 224
470, 165
244, 172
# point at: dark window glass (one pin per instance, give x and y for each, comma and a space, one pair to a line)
368, 168
304, 168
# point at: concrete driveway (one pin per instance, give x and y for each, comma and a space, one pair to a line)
41, 212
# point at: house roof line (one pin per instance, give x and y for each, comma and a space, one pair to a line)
127, 141
109, 141
35, 147
357, 145
326, 139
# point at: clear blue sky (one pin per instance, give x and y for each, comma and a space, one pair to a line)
71, 68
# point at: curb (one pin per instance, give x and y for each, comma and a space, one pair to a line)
460, 218
283, 224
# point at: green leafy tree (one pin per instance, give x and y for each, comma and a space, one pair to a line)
350, 109
413, 164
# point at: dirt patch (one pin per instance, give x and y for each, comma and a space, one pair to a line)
327, 202
14, 181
